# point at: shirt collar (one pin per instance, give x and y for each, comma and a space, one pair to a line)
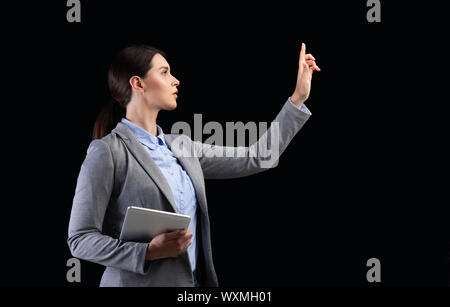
144, 136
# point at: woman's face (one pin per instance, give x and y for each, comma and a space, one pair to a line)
160, 85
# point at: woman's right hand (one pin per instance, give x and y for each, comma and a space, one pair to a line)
169, 244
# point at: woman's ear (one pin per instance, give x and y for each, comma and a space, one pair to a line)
137, 84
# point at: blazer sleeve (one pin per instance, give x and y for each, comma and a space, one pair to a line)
221, 162
93, 191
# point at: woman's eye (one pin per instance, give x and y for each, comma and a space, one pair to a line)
164, 72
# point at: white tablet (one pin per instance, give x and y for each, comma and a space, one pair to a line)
142, 224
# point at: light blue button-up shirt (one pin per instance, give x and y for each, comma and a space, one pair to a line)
177, 178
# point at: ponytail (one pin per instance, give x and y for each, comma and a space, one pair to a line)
107, 119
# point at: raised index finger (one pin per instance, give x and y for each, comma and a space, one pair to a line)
302, 54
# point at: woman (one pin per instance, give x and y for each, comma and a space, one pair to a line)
132, 162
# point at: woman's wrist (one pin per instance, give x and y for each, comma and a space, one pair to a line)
150, 252
297, 101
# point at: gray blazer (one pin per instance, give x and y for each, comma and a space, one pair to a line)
117, 172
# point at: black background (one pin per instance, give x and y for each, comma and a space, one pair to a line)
352, 185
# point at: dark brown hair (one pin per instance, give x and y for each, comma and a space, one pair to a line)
134, 60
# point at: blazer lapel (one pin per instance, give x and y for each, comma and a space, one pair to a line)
147, 163
184, 156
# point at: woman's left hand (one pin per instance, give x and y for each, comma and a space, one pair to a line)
306, 66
